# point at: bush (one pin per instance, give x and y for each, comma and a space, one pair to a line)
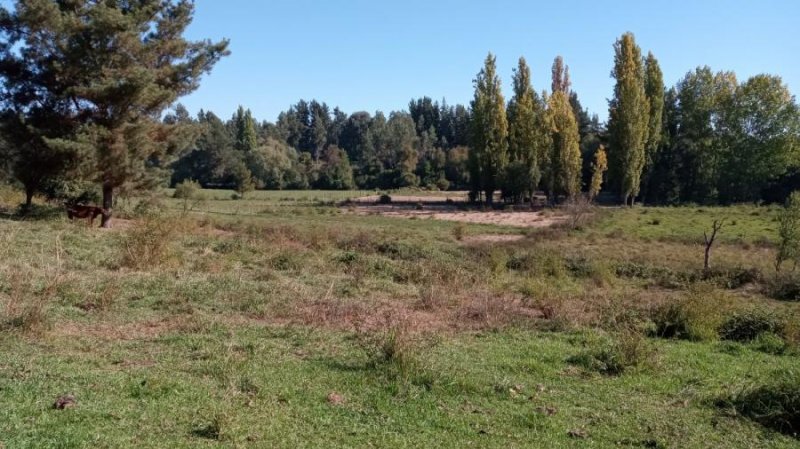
628, 349
770, 343
458, 231
747, 326
697, 316
384, 199
146, 244
784, 287
150, 207
775, 405
187, 189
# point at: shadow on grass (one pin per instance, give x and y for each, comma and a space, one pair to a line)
35, 212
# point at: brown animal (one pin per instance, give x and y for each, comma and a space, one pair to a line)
82, 211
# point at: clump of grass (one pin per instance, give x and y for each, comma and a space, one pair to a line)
775, 405
697, 316
396, 349
748, 325
146, 244
628, 349
26, 306
458, 231
770, 343
211, 429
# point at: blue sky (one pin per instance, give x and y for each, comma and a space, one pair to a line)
377, 55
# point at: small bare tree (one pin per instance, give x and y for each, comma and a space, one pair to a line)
709, 240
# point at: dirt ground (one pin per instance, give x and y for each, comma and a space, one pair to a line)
520, 219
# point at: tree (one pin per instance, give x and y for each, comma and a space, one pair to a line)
336, 172
489, 150
113, 66
789, 232
565, 161
628, 118
704, 102
528, 138
563, 173
599, 167
654, 91
759, 138
245, 131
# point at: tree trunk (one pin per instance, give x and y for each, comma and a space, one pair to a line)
28, 200
706, 260
108, 203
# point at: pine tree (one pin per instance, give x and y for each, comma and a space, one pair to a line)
628, 118
489, 151
654, 90
118, 65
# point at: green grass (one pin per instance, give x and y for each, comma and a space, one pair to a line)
235, 332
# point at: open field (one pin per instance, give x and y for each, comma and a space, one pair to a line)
282, 320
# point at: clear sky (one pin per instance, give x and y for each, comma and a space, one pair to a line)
378, 54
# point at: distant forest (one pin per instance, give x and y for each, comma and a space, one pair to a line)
712, 139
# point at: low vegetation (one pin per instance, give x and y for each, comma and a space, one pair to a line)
293, 320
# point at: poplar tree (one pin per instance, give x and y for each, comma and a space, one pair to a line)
654, 90
489, 151
563, 164
113, 67
599, 167
628, 118
528, 137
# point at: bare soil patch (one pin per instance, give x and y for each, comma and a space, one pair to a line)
492, 238
520, 219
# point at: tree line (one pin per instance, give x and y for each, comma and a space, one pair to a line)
86, 88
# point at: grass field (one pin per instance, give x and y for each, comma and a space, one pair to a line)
281, 320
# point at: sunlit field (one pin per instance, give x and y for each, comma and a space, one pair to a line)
284, 320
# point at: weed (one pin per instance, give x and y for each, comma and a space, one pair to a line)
626, 350
775, 405
147, 243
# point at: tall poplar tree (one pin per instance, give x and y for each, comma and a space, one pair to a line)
489, 151
654, 90
528, 136
564, 168
628, 118
114, 66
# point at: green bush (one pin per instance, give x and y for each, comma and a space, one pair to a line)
384, 199
187, 189
697, 316
747, 326
613, 356
770, 343
784, 287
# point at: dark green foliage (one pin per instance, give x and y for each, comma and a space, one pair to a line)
746, 326
124, 65
784, 287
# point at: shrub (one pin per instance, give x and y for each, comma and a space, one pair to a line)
458, 231
186, 189
747, 326
697, 316
770, 343
146, 244
775, 405
626, 350
150, 207
784, 287
384, 199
